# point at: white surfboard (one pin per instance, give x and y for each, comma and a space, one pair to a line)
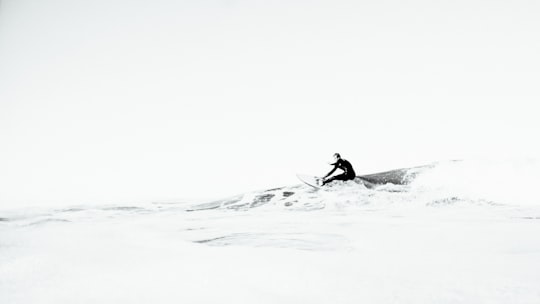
309, 180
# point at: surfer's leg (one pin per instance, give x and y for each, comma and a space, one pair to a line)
341, 177
326, 181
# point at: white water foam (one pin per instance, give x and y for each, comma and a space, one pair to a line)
452, 235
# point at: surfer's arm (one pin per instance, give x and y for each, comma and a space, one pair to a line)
330, 173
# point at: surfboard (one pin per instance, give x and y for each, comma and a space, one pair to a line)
309, 180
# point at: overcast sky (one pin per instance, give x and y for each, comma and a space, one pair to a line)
117, 101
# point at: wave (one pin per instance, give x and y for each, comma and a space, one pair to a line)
449, 183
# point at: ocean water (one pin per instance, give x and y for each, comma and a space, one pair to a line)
451, 232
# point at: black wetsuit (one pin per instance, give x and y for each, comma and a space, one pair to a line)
348, 171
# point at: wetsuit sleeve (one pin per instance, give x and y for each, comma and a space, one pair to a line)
332, 171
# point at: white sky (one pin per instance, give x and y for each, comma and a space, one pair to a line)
112, 101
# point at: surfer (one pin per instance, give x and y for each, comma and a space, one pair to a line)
343, 164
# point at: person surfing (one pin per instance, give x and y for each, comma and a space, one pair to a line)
344, 165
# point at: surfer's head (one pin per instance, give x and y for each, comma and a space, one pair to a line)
337, 156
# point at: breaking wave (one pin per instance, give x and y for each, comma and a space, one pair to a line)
468, 182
